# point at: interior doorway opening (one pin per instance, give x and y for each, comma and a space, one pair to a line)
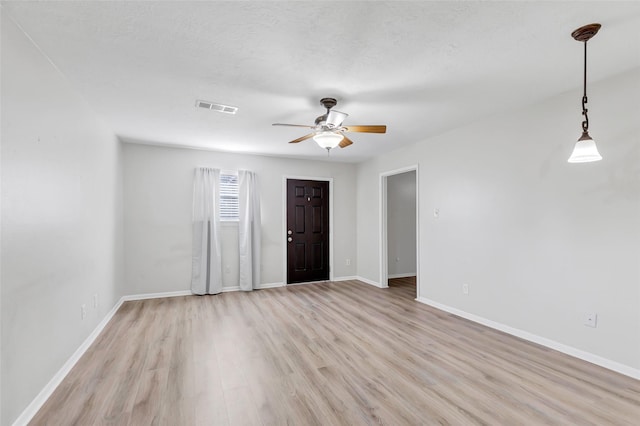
399, 259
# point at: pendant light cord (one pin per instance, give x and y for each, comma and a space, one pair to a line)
585, 123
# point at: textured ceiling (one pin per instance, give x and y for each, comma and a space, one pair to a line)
421, 68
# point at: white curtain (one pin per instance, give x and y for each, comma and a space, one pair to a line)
249, 225
206, 266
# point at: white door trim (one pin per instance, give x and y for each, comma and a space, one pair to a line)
384, 256
284, 222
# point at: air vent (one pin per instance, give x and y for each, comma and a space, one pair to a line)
227, 109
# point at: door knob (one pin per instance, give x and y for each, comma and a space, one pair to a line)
289, 232
289, 239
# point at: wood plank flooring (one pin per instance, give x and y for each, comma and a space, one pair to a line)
326, 354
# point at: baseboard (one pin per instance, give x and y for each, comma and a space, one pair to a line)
407, 275
25, 417
144, 296
370, 282
269, 285
307, 283
259, 287
157, 295
338, 279
551, 344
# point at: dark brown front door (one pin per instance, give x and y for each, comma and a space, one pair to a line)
307, 231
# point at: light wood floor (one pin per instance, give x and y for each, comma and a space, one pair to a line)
326, 354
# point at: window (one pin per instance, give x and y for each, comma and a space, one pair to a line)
228, 197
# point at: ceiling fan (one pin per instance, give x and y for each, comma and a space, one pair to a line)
328, 132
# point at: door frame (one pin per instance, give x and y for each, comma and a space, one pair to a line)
284, 224
383, 237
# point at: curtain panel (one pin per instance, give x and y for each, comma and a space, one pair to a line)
206, 266
249, 230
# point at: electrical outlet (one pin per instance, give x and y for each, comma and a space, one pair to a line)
465, 288
436, 213
95, 300
591, 320
83, 311
348, 262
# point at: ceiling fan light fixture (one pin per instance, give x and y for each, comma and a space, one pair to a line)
585, 150
335, 118
328, 140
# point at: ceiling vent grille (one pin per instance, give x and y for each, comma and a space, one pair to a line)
227, 109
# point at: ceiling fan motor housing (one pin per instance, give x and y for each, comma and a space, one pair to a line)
321, 119
328, 103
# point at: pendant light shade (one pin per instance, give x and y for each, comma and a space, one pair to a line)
328, 140
585, 150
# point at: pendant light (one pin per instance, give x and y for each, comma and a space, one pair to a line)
585, 150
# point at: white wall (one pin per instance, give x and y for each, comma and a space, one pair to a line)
401, 224
540, 242
61, 221
158, 188
368, 190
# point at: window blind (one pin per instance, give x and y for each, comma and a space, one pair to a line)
228, 197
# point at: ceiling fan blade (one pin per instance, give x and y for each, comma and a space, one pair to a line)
366, 129
294, 125
305, 137
335, 118
345, 142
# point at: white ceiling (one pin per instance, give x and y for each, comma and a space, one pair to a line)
421, 68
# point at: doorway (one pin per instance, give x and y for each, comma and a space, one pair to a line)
399, 257
308, 233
